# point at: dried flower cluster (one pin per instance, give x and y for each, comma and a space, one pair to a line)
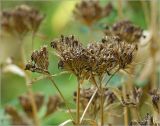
133, 98
96, 58
147, 121
126, 30
89, 11
155, 96
25, 102
18, 118
21, 20
39, 61
86, 94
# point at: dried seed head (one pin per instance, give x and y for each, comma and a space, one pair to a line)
89, 11
132, 98
16, 118
27, 105
110, 54
21, 20
126, 31
147, 121
86, 94
97, 59
155, 96
73, 56
53, 103
39, 61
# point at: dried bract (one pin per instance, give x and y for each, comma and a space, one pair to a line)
89, 11
126, 30
39, 61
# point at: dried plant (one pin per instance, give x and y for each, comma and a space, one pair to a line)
26, 116
147, 121
39, 61
155, 96
95, 62
25, 102
21, 20
90, 11
126, 30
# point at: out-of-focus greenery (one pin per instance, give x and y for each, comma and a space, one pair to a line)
58, 20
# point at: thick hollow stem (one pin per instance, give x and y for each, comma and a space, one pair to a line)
70, 113
78, 104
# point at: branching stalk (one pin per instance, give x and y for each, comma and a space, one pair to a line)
88, 105
70, 113
78, 104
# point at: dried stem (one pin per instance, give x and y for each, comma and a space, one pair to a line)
125, 108
101, 103
27, 80
120, 13
102, 109
78, 103
84, 112
33, 36
70, 113
111, 77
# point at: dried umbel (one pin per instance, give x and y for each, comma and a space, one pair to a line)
39, 61
73, 56
52, 104
21, 20
26, 117
110, 54
16, 118
97, 59
126, 30
26, 104
86, 95
89, 11
147, 121
133, 98
155, 96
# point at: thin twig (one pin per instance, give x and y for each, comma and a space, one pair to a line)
64, 123
27, 79
84, 112
111, 76
46, 76
125, 109
78, 104
70, 113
